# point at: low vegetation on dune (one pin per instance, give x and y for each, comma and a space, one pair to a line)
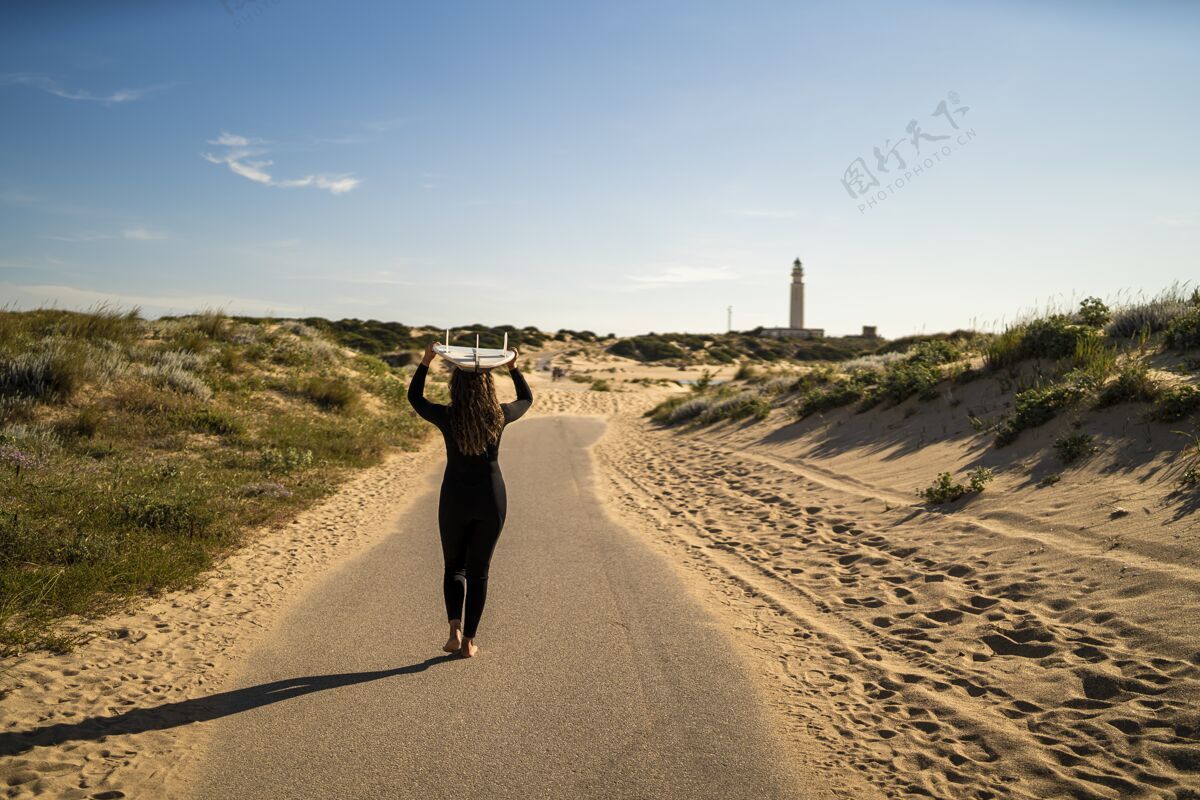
134, 452
684, 349
377, 338
947, 490
1088, 358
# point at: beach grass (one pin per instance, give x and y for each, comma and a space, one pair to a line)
134, 453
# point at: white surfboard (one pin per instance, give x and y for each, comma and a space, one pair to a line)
475, 359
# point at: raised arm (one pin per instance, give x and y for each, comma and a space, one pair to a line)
416, 392
514, 410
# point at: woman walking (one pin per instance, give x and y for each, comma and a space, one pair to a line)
473, 502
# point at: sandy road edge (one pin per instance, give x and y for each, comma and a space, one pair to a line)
727, 603
178, 648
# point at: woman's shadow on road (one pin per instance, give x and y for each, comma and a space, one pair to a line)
199, 709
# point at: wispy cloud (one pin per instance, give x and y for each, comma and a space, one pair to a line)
244, 156
38, 295
1179, 221
143, 235
79, 237
379, 278
15, 197
362, 301
133, 234
8, 264
51, 86
765, 213
675, 275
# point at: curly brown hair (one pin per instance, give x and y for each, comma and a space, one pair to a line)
476, 418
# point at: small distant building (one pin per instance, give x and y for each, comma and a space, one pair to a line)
796, 329
870, 332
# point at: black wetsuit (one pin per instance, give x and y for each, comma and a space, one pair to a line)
473, 503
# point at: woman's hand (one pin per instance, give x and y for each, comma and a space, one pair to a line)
428, 358
517, 354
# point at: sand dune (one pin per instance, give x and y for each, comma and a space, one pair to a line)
1038, 642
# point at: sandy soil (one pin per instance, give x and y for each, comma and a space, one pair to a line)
1040, 640
1037, 641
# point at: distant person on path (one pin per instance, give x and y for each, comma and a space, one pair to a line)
473, 502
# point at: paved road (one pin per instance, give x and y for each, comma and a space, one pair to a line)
598, 677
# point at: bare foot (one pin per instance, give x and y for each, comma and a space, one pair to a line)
454, 643
469, 649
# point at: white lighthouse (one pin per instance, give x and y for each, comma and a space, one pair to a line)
795, 328
796, 321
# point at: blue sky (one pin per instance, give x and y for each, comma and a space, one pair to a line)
616, 166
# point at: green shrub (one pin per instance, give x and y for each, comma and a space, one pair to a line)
1055, 336
1052, 337
1072, 447
722, 355
679, 409
1189, 473
658, 413
285, 459
331, 394
1095, 358
1176, 403
978, 478
371, 365
728, 348
290, 349
780, 384
946, 490
646, 348
839, 393
1133, 384
210, 323
703, 382
49, 371
1183, 332
935, 352
231, 359
739, 406
902, 380
182, 514
745, 372
86, 422
600, 385
374, 337
959, 339
214, 421
1037, 406
1093, 312
1004, 349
